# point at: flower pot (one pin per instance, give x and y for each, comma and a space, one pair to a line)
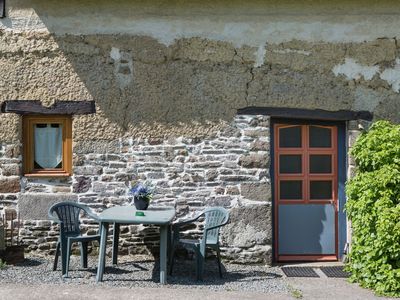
141, 203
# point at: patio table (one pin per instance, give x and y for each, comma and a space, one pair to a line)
161, 216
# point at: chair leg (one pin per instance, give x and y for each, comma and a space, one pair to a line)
199, 263
171, 259
115, 244
68, 255
56, 256
219, 262
84, 254
64, 242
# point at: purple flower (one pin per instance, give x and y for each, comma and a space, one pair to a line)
142, 191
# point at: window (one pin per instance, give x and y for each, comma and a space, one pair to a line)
306, 163
47, 144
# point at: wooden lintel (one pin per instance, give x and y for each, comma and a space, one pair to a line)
25, 107
311, 114
2, 8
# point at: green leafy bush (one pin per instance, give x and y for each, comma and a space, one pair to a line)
373, 206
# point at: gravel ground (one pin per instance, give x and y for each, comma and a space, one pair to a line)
137, 271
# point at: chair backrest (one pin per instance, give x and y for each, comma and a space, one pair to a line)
215, 216
68, 213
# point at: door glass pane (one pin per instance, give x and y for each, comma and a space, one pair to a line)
290, 137
291, 190
320, 164
320, 190
290, 164
320, 137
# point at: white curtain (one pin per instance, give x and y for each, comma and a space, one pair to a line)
48, 146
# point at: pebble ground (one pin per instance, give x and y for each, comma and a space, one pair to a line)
134, 272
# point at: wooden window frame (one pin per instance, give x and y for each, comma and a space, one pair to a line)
28, 145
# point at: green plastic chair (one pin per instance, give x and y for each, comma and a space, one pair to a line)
215, 218
67, 215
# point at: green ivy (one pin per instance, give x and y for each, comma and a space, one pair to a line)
373, 207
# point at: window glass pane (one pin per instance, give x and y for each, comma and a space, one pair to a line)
291, 190
290, 137
320, 164
290, 164
320, 137
48, 146
320, 190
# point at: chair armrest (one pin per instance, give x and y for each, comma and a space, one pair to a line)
53, 218
217, 226
92, 215
187, 221
214, 227
89, 213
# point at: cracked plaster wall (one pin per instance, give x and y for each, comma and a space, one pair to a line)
172, 69
194, 87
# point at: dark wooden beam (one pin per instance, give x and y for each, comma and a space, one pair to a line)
2, 8
24, 107
310, 114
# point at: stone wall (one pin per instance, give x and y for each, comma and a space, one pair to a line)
230, 169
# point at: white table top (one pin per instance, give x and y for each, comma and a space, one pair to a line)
127, 215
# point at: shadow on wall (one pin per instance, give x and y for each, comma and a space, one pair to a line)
142, 86
138, 84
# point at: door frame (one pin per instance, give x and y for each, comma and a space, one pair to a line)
340, 218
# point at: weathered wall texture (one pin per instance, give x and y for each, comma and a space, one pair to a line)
167, 78
144, 88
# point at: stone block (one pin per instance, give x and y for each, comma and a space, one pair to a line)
224, 201
61, 189
110, 170
353, 136
34, 206
211, 175
87, 146
261, 121
255, 133
155, 175
125, 177
207, 164
259, 145
13, 151
255, 255
117, 165
256, 191
236, 178
232, 190
112, 157
249, 226
254, 161
11, 170
88, 170
10, 184
82, 184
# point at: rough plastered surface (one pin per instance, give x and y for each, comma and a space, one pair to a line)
193, 87
251, 23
